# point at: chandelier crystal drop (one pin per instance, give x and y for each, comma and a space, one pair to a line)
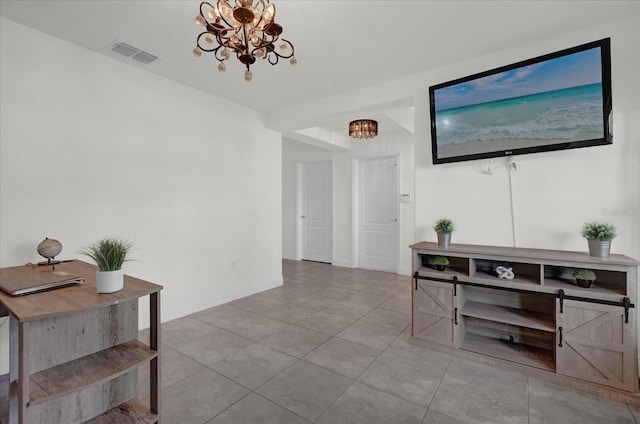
363, 128
246, 28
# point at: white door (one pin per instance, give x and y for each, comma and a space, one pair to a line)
316, 211
378, 213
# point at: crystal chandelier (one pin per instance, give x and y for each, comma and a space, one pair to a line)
245, 29
363, 128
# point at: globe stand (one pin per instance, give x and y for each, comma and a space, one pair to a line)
48, 262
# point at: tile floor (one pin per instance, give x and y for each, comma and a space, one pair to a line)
332, 346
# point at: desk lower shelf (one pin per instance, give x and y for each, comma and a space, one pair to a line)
85, 372
88, 370
132, 412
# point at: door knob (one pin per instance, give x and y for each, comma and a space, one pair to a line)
302, 216
394, 220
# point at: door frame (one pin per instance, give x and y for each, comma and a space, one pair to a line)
355, 207
299, 206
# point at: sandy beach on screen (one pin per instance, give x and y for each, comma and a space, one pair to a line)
474, 147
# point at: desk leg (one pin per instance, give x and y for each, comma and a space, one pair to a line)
154, 336
18, 372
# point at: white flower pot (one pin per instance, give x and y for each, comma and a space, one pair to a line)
109, 281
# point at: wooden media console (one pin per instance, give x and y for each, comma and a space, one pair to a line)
541, 318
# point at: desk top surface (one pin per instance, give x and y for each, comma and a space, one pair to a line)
70, 299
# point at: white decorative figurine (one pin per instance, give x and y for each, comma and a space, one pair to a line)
504, 272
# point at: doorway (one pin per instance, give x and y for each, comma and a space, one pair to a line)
376, 213
315, 211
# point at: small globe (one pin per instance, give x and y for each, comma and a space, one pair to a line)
49, 248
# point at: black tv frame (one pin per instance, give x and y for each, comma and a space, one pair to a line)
607, 137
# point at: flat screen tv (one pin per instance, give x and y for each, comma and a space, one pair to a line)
558, 101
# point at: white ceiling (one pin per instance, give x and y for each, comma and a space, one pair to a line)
340, 45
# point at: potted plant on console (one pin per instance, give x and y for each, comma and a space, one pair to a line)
440, 263
584, 277
599, 237
109, 254
444, 227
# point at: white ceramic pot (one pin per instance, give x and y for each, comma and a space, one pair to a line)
109, 281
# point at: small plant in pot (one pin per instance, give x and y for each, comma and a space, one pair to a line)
584, 277
440, 263
599, 237
109, 254
444, 227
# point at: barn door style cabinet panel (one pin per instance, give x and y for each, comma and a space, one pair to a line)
535, 314
74, 353
433, 312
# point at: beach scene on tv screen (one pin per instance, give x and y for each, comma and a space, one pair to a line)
554, 101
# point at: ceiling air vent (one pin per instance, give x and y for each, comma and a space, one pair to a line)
133, 52
144, 57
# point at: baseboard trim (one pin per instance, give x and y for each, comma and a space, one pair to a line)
349, 264
342, 263
177, 311
404, 270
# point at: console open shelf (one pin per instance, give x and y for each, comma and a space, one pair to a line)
513, 316
524, 272
457, 266
514, 352
607, 283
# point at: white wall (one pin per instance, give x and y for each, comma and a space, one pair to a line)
400, 144
91, 147
554, 193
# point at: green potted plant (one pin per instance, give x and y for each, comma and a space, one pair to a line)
584, 277
599, 237
440, 263
109, 254
444, 227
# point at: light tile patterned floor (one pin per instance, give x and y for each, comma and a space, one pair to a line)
332, 346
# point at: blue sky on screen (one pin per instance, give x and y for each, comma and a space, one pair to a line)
563, 72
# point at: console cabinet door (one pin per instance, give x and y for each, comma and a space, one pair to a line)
595, 344
433, 313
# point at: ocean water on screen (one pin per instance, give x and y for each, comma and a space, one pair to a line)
569, 114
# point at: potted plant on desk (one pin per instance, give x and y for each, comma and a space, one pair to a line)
109, 254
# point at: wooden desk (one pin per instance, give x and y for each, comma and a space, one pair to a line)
74, 353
